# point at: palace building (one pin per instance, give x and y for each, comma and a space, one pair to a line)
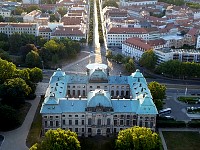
97, 103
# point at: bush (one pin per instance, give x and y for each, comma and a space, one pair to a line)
170, 124
194, 124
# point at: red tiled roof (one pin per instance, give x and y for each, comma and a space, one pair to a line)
138, 42
127, 30
44, 29
193, 32
68, 20
67, 31
18, 24
156, 42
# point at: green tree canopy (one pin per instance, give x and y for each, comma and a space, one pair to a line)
58, 140
130, 66
138, 138
33, 59
110, 3
35, 75
9, 117
7, 70
62, 11
148, 59
4, 55
157, 90
15, 88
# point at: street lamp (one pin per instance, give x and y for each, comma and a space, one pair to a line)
42, 64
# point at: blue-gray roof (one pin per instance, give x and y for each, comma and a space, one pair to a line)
118, 79
73, 105
77, 79
147, 106
99, 98
125, 106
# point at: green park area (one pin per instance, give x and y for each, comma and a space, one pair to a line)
189, 99
182, 140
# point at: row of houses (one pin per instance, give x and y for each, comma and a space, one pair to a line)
135, 28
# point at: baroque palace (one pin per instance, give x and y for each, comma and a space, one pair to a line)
97, 103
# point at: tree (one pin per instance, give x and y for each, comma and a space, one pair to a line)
62, 11
24, 50
109, 54
1, 18
58, 140
7, 70
157, 90
18, 11
9, 118
130, 66
35, 75
14, 90
33, 59
31, 8
4, 55
15, 42
110, 3
138, 138
148, 59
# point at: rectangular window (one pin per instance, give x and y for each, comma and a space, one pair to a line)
89, 121
98, 87
70, 122
115, 122
63, 122
134, 122
121, 122
70, 115
76, 122
83, 130
82, 122
45, 123
76, 115
89, 130
115, 130
76, 130
57, 123
51, 123
127, 122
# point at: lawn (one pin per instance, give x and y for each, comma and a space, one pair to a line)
182, 140
189, 99
35, 130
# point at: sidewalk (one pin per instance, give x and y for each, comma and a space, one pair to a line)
16, 139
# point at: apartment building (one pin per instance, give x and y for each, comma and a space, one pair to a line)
10, 28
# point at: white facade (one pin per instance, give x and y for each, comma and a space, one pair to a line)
182, 55
198, 42
10, 28
31, 1
196, 15
5, 12
137, 2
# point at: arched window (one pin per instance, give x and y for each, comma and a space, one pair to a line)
117, 93
112, 93
122, 93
